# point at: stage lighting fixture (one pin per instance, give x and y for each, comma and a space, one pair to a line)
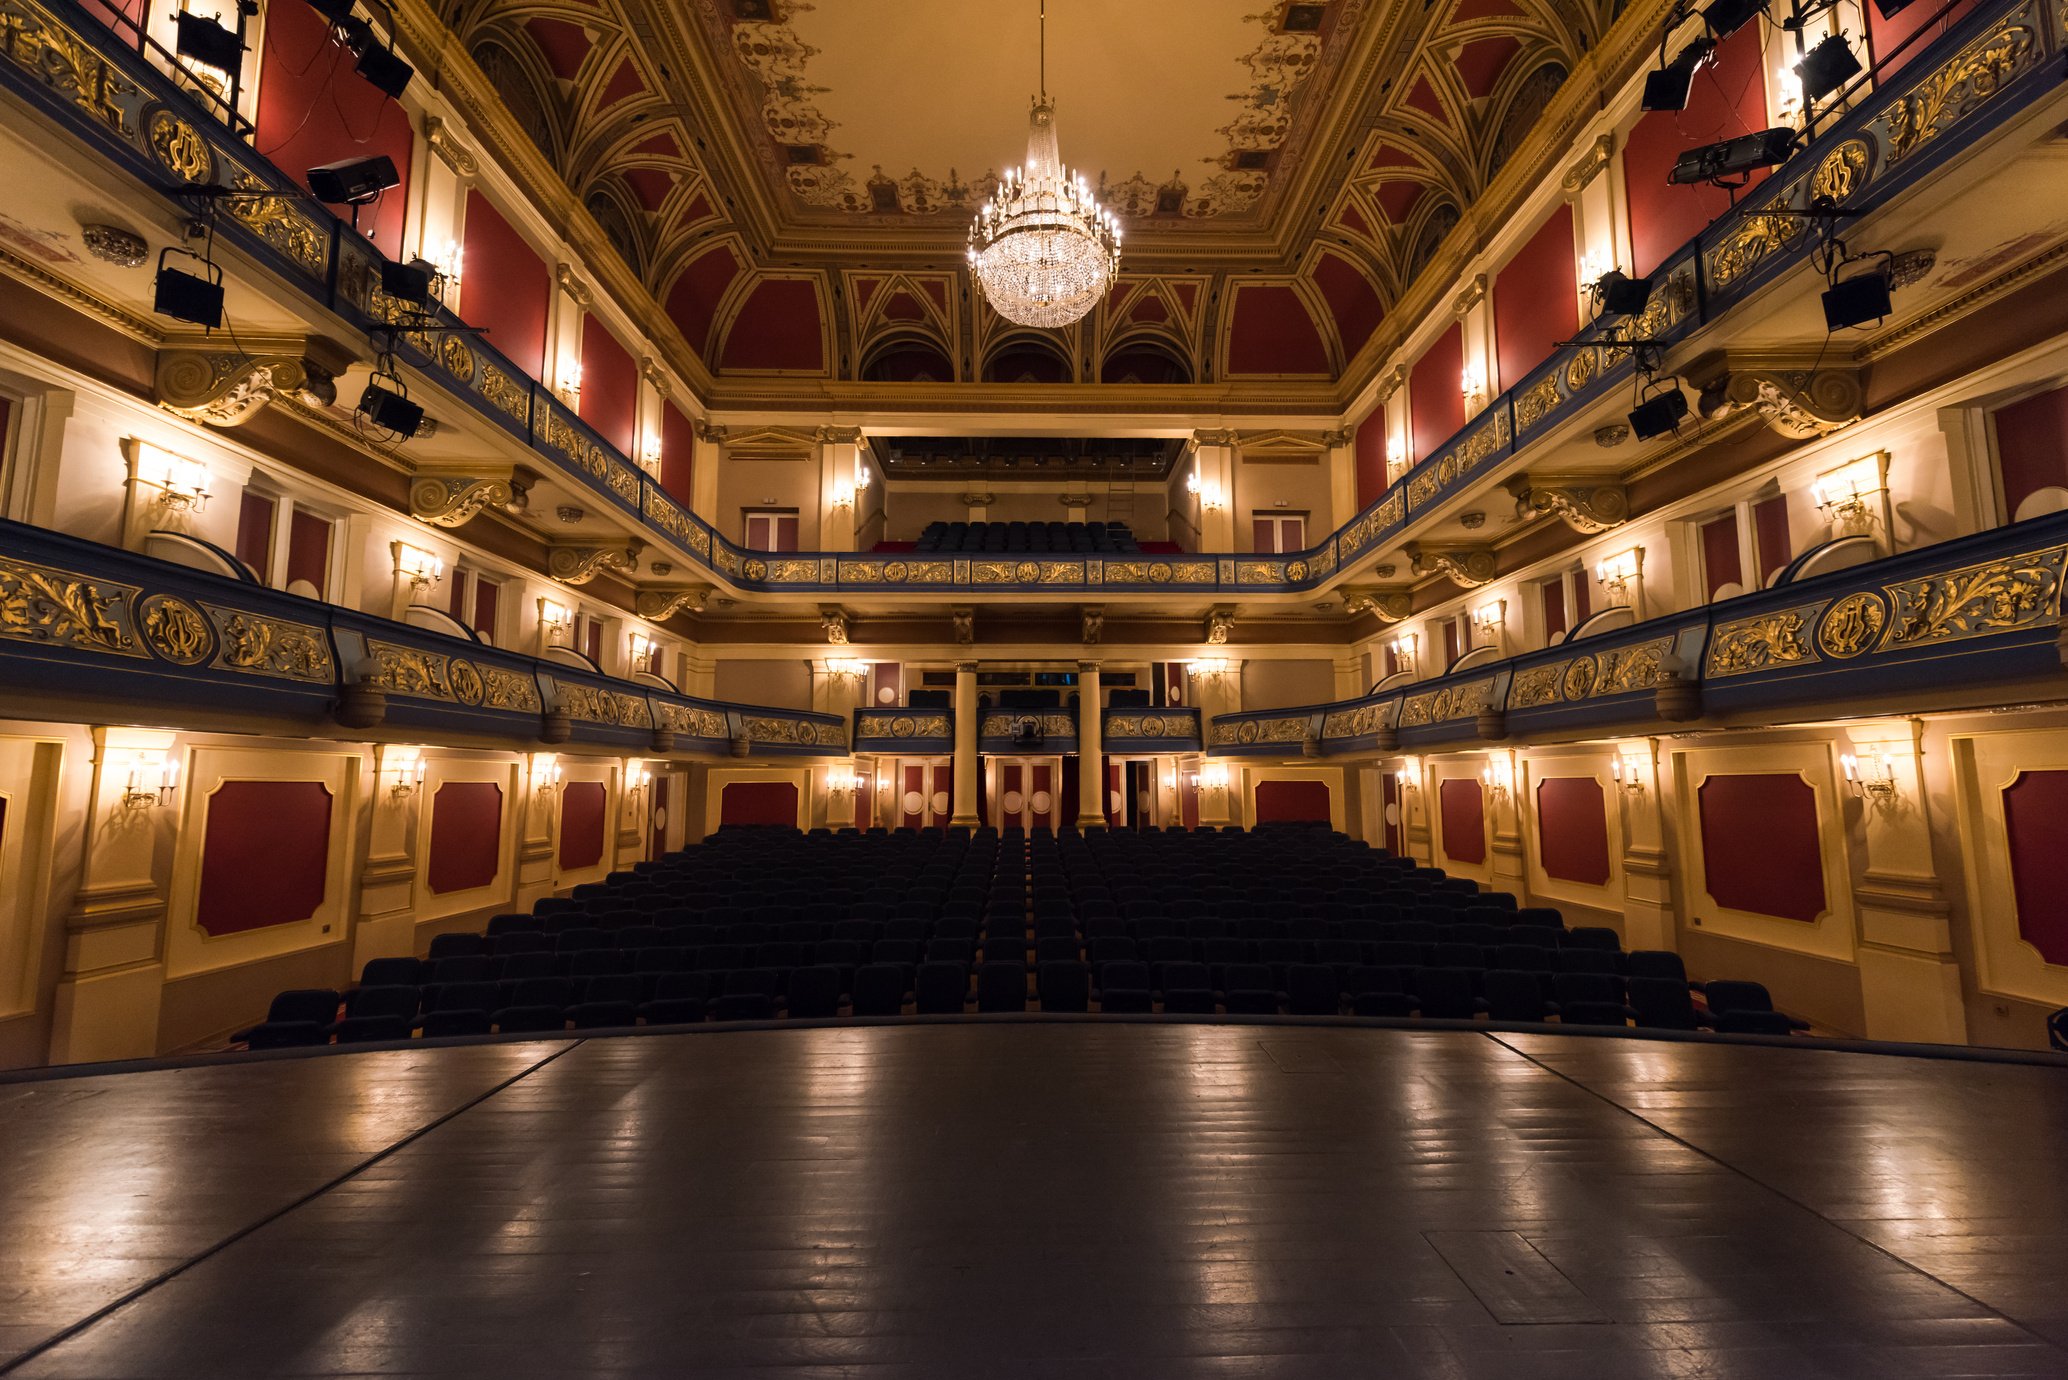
186, 296
410, 282
1658, 414
1667, 88
1726, 17
1828, 66
1891, 8
1857, 300
1742, 154
388, 408
1622, 295
207, 42
388, 73
336, 11
350, 181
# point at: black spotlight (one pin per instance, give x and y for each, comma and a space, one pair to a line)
1742, 154
1891, 8
1857, 300
187, 296
336, 11
352, 180
389, 74
1658, 414
206, 41
410, 282
1622, 295
1667, 88
388, 408
1726, 17
1826, 67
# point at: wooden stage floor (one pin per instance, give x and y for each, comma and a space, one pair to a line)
992, 1201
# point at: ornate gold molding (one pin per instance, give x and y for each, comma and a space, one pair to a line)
450, 500
1092, 623
659, 605
1798, 402
1467, 566
1472, 296
650, 370
1386, 605
577, 565
1588, 166
564, 276
1587, 505
227, 388
1220, 626
445, 143
834, 621
838, 435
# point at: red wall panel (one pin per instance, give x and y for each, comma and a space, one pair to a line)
266, 857
1572, 829
2035, 820
610, 386
678, 453
778, 327
1271, 333
1279, 801
504, 286
1463, 814
759, 802
1536, 299
2032, 446
581, 824
466, 836
1435, 392
1371, 459
1728, 98
1759, 845
314, 109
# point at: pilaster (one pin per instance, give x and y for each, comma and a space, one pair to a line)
1647, 866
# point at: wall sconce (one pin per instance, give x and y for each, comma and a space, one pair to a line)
1489, 618
1616, 573
1408, 777
1627, 772
1403, 648
637, 779
446, 263
1873, 779
571, 382
151, 781
843, 495
862, 478
847, 667
1498, 777
545, 777
1208, 667
1213, 776
1473, 382
553, 617
182, 484
641, 647
409, 775
1396, 457
420, 567
846, 782
1843, 494
1594, 266
1211, 497
650, 454
1787, 96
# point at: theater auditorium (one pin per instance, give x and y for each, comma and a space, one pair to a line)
898, 689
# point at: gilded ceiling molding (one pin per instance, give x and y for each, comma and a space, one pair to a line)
1472, 296
1220, 626
767, 443
1467, 566
1386, 605
1586, 503
1589, 166
1259, 444
659, 605
838, 435
707, 430
1214, 438
577, 565
445, 143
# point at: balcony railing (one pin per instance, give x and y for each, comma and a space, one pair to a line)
1919, 629
1992, 64
91, 625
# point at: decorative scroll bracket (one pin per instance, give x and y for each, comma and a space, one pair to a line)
450, 500
1796, 401
577, 565
834, 620
1467, 566
659, 605
1588, 506
1386, 605
227, 388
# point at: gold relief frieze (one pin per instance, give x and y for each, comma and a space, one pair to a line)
1224, 733
66, 63
504, 392
1752, 242
1843, 172
794, 732
1970, 78
1976, 600
1537, 401
178, 146
1360, 722
421, 674
1151, 725
753, 568
1617, 671
176, 629
269, 646
599, 705
1001, 723
727, 560
1258, 573
1422, 486
60, 608
700, 541
277, 221
622, 481
1850, 626
793, 572
1764, 640
890, 724
1581, 369
693, 721
1251, 731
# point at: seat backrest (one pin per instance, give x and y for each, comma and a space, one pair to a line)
1512, 990
1124, 975
390, 972
1732, 995
1246, 977
1589, 987
1661, 998
467, 996
304, 1004
396, 1000
543, 991
612, 987
1656, 963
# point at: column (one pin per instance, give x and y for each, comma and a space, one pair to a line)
1909, 976
837, 692
1342, 485
1505, 807
965, 815
837, 494
114, 977
703, 472
1091, 755
1647, 866
1214, 459
386, 925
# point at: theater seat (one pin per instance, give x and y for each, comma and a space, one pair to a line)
1002, 987
1063, 986
294, 1019
879, 989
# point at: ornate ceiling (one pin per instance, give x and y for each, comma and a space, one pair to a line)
791, 181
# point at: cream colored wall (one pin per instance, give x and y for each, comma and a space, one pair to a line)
744, 484
1301, 485
784, 684
1276, 684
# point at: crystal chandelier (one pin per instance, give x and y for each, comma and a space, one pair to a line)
1042, 248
